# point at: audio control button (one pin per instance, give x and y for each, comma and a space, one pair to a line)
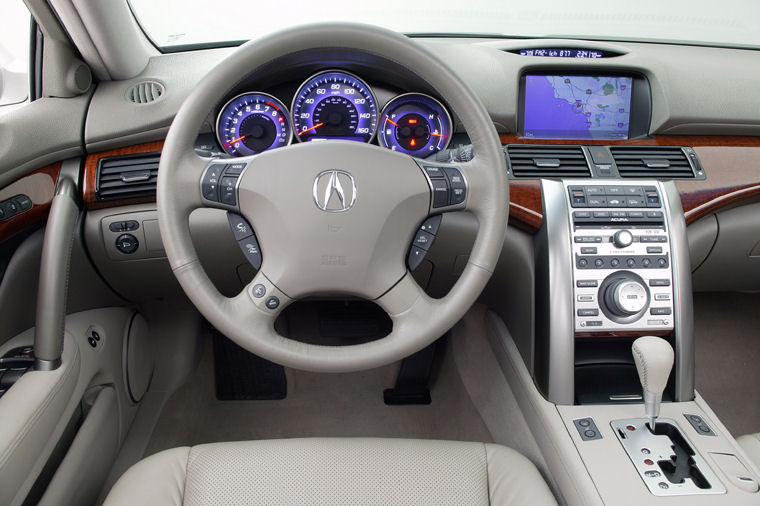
622, 239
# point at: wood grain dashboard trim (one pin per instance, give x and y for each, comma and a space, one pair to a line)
732, 165
39, 186
91, 174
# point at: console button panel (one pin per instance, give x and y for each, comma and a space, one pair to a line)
622, 272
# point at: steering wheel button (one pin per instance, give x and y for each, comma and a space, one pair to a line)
416, 256
431, 224
433, 172
235, 169
259, 290
240, 227
272, 302
251, 251
440, 192
424, 240
458, 195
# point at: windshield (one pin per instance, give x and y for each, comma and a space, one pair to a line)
172, 23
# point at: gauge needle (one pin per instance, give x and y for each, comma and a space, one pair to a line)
312, 128
391, 121
233, 141
436, 135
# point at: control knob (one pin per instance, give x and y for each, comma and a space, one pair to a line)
622, 238
625, 297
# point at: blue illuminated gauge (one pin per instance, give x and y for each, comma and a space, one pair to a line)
334, 105
253, 122
415, 124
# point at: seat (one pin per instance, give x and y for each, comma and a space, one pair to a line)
333, 471
750, 443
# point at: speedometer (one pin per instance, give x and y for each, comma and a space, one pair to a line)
251, 123
334, 105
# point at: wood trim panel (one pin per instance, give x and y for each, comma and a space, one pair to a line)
91, 173
39, 186
732, 165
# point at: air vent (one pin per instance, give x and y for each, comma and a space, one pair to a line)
652, 162
127, 177
527, 161
145, 92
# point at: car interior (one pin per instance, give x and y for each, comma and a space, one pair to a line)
488, 254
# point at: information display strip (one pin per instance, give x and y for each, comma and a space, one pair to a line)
577, 107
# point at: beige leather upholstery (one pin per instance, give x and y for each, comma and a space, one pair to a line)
750, 443
333, 471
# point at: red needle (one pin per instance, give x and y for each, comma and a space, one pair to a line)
312, 128
436, 135
391, 122
233, 141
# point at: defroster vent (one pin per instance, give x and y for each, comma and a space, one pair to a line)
127, 177
526, 161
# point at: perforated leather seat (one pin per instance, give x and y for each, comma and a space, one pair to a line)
334, 472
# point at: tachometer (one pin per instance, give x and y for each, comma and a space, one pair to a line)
253, 122
415, 124
334, 105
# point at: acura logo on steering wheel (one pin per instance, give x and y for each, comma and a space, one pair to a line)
334, 191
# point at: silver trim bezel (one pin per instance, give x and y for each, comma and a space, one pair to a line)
300, 89
288, 115
414, 93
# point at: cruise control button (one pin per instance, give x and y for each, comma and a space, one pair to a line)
440, 192
433, 172
457, 184
416, 256
251, 250
423, 240
431, 224
240, 227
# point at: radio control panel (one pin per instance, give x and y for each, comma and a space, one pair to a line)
622, 274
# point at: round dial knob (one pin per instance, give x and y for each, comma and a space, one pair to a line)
626, 297
622, 238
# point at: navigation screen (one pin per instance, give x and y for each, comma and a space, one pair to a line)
577, 107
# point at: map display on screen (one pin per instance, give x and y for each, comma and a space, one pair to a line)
577, 107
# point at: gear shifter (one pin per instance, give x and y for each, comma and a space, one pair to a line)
654, 359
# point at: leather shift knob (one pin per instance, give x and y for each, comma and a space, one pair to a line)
654, 360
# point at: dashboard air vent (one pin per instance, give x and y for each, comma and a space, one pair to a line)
652, 162
145, 92
528, 161
129, 176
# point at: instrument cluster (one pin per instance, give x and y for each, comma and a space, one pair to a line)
334, 104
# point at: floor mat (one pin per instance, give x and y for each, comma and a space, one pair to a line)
242, 376
727, 331
317, 405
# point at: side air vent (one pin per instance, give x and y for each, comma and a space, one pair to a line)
127, 177
654, 162
145, 92
528, 161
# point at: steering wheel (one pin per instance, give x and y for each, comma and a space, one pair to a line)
384, 197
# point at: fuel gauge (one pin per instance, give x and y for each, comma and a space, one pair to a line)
416, 124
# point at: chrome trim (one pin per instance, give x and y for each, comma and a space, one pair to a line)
555, 308
398, 97
362, 81
285, 109
683, 305
334, 186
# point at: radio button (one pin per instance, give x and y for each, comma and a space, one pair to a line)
587, 283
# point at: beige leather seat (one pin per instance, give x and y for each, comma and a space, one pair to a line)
750, 443
334, 472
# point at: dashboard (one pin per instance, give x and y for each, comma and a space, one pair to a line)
333, 104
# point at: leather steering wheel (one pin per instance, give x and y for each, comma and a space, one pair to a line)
307, 251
